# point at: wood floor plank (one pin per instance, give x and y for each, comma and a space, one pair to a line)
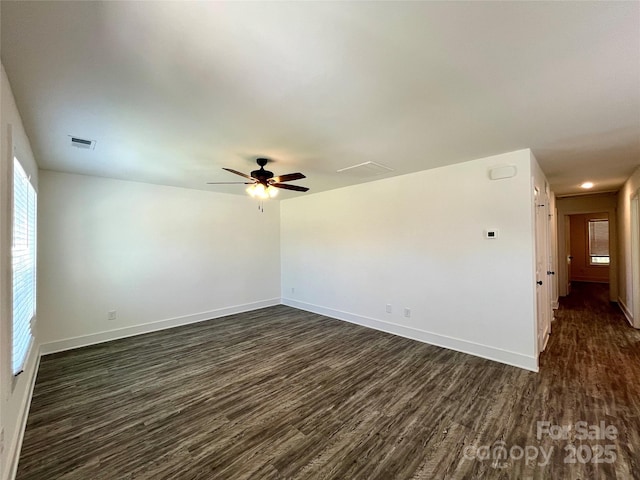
284, 394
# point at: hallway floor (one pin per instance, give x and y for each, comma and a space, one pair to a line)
591, 372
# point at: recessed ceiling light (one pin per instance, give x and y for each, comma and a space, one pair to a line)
587, 185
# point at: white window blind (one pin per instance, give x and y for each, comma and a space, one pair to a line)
23, 254
599, 241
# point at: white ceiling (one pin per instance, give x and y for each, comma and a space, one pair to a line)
173, 91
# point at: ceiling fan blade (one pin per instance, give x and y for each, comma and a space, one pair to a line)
238, 173
286, 186
288, 177
230, 183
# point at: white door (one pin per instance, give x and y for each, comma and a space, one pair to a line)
543, 301
635, 259
551, 274
567, 249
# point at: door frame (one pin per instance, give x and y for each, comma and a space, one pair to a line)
566, 259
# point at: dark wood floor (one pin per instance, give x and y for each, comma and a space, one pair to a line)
281, 393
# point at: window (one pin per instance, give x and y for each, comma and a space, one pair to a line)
23, 254
599, 242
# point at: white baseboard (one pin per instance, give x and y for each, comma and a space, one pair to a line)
94, 338
626, 311
464, 346
555, 304
13, 454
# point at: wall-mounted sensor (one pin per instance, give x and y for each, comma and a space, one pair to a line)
491, 233
502, 171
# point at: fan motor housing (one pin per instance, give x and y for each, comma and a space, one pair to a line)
262, 175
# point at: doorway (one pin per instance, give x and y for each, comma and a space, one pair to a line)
591, 204
589, 256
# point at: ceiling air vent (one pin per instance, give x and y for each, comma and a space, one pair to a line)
82, 142
366, 169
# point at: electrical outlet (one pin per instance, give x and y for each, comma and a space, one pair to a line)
388, 308
112, 315
293, 290
407, 312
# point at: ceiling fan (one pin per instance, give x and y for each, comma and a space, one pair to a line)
262, 183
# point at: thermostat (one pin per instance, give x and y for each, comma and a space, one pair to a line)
491, 233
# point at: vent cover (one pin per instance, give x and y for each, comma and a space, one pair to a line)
82, 142
366, 169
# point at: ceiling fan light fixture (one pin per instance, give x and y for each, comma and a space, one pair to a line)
263, 184
258, 190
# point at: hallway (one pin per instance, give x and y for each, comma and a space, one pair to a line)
591, 372
591, 331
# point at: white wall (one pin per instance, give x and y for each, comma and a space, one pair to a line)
14, 392
595, 203
625, 286
159, 256
418, 241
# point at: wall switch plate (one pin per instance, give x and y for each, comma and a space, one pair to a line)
407, 312
112, 315
491, 233
388, 308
